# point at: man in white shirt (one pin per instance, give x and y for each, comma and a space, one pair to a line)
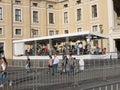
80, 46
55, 64
81, 64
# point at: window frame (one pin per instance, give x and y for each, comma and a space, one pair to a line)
66, 32
35, 19
78, 1
49, 32
65, 17
80, 13
65, 5
51, 21
92, 12
79, 29
19, 16
15, 33
17, 2
35, 32
50, 6
97, 30
1, 13
34, 4
1, 28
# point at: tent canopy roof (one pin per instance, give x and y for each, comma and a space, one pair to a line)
62, 37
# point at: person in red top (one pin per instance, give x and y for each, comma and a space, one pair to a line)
50, 63
45, 50
104, 51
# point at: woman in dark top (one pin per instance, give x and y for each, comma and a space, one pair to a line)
27, 66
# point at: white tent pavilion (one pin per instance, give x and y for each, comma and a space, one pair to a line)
20, 44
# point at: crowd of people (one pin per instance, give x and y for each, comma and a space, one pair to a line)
68, 64
41, 50
76, 49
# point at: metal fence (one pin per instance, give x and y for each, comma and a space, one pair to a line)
40, 79
34, 63
108, 86
44, 63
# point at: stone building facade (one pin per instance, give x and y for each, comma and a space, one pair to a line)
20, 19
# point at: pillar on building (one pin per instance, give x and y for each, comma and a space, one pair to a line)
111, 44
50, 47
111, 24
35, 49
111, 15
67, 45
101, 31
88, 39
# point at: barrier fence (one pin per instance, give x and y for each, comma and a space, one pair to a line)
44, 63
41, 79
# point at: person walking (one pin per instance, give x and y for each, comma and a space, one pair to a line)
81, 64
4, 65
50, 63
55, 64
63, 64
71, 63
80, 46
75, 65
27, 66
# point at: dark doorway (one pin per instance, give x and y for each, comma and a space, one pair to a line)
1, 48
117, 43
116, 4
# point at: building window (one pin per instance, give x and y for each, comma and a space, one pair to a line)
17, 1
51, 32
78, 1
2, 48
1, 31
78, 14
94, 11
95, 28
50, 6
1, 13
79, 29
66, 5
34, 32
66, 31
35, 16
17, 14
65, 17
57, 32
35, 4
51, 18
18, 32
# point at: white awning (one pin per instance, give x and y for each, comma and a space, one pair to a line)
63, 36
